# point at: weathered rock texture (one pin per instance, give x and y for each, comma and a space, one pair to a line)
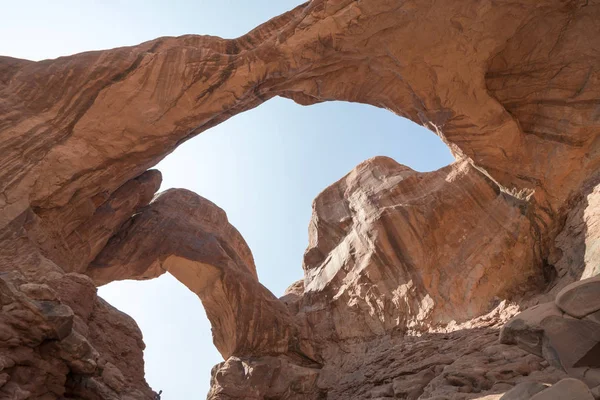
211, 258
513, 88
59, 340
371, 261
465, 364
566, 332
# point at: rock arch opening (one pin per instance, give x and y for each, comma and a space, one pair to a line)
266, 166
297, 152
179, 353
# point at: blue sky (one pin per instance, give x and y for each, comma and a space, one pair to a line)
263, 167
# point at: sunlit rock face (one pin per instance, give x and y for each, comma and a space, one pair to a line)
511, 87
391, 248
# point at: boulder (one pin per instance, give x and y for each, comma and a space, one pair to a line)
564, 341
566, 389
523, 391
526, 330
580, 298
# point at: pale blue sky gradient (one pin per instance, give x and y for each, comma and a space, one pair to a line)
263, 167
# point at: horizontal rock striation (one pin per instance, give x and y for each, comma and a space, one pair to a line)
468, 88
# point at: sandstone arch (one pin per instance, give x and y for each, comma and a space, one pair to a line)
512, 88
303, 54
209, 256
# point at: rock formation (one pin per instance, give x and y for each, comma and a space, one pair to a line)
370, 258
566, 332
211, 258
408, 276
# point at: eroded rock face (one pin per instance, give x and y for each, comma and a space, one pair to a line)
391, 248
58, 340
511, 87
576, 249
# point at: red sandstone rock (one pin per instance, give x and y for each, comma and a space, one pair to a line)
511, 87
580, 298
391, 248
569, 343
566, 389
210, 257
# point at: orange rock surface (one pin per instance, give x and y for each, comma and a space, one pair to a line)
513, 88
